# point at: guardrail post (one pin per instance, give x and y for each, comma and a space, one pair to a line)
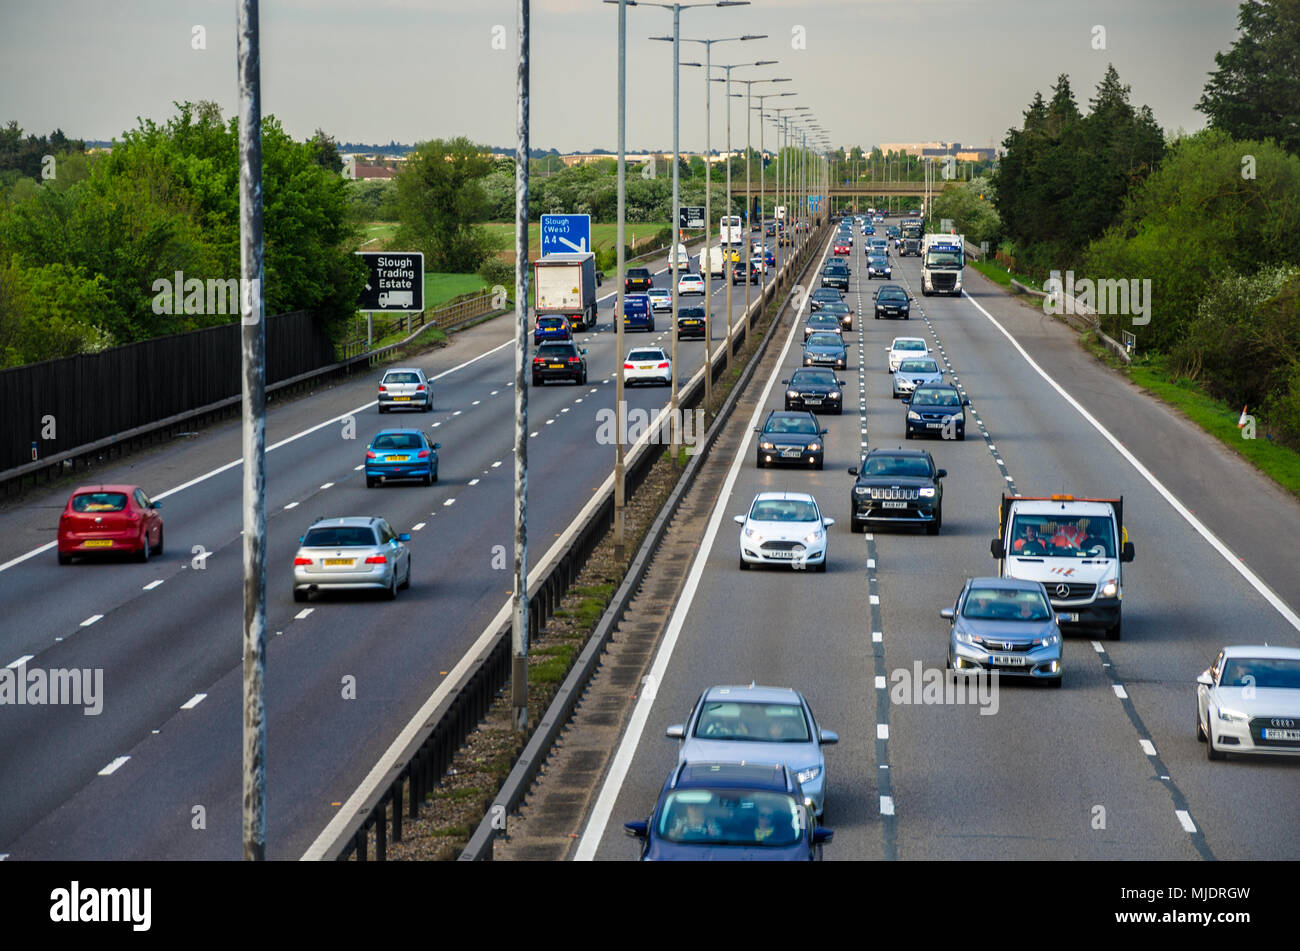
397, 810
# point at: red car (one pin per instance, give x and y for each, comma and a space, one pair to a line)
106, 518
843, 247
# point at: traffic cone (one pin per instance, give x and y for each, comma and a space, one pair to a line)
1241, 423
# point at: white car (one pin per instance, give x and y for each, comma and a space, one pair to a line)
1249, 702
683, 259
647, 365
905, 348
661, 298
690, 284
784, 528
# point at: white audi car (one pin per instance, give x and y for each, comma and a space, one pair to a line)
785, 528
647, 365
689, 284
1249, 702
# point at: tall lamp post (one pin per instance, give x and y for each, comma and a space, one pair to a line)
749, 198
762, 191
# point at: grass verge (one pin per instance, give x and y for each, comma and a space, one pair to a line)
1000, 275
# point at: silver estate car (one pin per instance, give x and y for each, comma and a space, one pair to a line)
405, 388
351, 554
758, 725
1005, 625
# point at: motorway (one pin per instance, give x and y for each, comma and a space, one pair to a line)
157, 773
1108, 767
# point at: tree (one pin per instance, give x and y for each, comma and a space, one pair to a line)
440, 201
327, 152
1255, 92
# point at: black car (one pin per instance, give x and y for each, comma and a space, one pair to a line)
935, 409
878, 266
837, 277
841, 312
742, 272
638, 279
825, 295
690, 321
559, 361
791, 437
823, 320
814, 389
899, 486
892, 301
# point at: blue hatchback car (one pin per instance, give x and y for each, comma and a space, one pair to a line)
730, 812
401, 454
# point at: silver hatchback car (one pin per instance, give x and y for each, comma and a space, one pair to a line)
405, 388
1005, 625
758, 725
351, 554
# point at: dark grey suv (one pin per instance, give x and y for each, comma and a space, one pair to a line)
899, 486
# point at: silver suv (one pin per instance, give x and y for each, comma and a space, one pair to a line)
351, 554
405, 388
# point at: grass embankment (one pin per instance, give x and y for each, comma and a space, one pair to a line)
999, 275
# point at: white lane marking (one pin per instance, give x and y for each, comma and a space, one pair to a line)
622, 762
874, 599
497, 464
1185, 820
871, 562
882, 731
1119, 691
435, 425
475, 403
417, 526
1096, 645
153, 584
531, 435
549, 421
564, 409
578, 400
1147, 747
194, 701
593, 389
283, 442
303, 613
880, 682
327, 485
15, 664
113, 767
449, 502
458, 412
358, 468
473, 481
494, 393
877, 637
91, 620
886, 803
1228, 554
291, 505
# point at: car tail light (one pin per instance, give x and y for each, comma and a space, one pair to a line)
302, 561
382, 388
420, 388
664, 365
370, 455
423, 454
377, 560
628, 366
538, 360
573, 359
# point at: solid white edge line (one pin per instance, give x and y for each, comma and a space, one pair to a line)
387, 761
240, 461
1228, 555
112, 767
194, 701
622, 762
15, 664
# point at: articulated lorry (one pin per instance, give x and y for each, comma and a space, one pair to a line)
943, 257
566, 286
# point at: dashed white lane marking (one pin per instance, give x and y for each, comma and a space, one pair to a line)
475, 403
497, 464
417, 526
327, 485
871, 562
578, 400
292, 505
880, 683
531, 435
449, 502
13, 665
1185, 820
874, 599
882, 731
458, 412
494, 393
194, 701
303, 613
358, 468
886, 804
473, 481
1147, 747
113, 767
435, 425
564, 409
153, 584
551, 420
1119, 691
1096, 645
91, 620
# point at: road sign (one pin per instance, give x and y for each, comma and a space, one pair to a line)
565, 233
395, 281
690, 216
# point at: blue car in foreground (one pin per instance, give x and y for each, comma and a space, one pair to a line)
401, 454
730, 812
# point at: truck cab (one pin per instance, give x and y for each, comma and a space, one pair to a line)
1076, 547
943, 258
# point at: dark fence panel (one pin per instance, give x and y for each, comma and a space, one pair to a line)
93, 396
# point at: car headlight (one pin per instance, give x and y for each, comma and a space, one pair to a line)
964, 638
913, 416
793, 394
860, 490
1110, 588
1232, 716
927, 492
835, 396
809, 774
1048, 640
766, 445
814, 446
813, 536
750, 533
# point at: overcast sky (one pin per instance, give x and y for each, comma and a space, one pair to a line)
407, 70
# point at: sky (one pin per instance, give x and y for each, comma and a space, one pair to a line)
376, 71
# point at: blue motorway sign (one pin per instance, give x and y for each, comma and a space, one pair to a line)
565, 233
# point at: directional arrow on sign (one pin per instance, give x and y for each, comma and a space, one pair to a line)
580, 246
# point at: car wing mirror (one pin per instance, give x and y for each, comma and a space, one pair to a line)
158, 505
1128, 552
827, 737
675, 732
947, 614
1206, 679
738, 519
404, 537
640, 828
437, 445
995, 548
905, 400
941, 473
828, 522
965, 402
822, 835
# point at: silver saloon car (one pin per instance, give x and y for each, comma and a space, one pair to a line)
758, 725
350, 554
1005, 625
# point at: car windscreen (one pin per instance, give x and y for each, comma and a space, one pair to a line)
402, 378
823, 320
99, 502
948, 259
825, 340
757, 819
813, 377
1063, 536
918, 366
896, 466
1281, 672
398, 441
933, 397
340, 536
909, 344
753, 722
783, 510
799, 425
1006, 604
892, 296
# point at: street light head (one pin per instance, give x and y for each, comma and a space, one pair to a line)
754, 36
732, 3
665, 39
765, 62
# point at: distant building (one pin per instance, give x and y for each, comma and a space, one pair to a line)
361, 167
939, 150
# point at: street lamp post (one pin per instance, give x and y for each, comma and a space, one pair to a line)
749, 199
762, 191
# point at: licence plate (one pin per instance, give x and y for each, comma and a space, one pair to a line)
556, 366
783, 554
791, 453
98, 543
690, 323
400, 399
934, 425
1008, 660
399, 458
645, 366
812, 400
331, 562
1072, 616
894, 505
1280, 734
